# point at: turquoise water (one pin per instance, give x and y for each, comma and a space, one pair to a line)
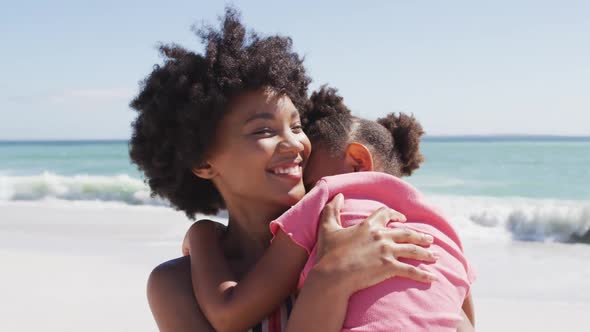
532, 168
66, 158
535, 168
526, 189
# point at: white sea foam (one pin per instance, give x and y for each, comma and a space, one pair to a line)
493, 218
517, 218
118, 188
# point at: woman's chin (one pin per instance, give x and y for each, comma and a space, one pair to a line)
286, 195
296, 194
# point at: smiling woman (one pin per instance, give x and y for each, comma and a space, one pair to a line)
263, 135
182, 103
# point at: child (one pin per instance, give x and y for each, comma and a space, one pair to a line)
360, 159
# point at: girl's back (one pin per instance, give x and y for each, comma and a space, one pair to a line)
397, 304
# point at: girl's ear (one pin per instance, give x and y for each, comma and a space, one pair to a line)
204, 171
359, 157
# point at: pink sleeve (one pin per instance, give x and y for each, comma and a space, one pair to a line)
300, 222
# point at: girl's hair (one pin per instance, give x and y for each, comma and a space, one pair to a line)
393, 140
181, 103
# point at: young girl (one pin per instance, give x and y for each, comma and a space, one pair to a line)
354, 148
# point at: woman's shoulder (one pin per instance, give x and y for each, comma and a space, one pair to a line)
169, 286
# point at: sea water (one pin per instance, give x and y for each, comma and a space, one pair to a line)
510, 188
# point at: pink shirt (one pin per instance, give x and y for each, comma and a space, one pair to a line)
397, 304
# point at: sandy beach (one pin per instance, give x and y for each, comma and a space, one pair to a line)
81, 266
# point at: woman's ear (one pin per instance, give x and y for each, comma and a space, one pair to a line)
204, 171
359, 157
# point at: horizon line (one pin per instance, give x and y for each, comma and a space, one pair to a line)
426, 137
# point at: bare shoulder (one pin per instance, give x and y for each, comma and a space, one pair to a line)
171, 299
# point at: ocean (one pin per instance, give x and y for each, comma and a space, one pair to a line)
511, 188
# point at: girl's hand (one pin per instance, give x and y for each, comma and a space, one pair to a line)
204, 230
367, 253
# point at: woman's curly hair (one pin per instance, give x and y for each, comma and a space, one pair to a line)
393, 140
181, 103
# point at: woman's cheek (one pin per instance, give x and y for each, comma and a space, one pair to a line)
307, 145
266, 146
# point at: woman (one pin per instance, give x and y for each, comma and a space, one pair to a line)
202, 140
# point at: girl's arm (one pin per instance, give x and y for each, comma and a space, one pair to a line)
230, 306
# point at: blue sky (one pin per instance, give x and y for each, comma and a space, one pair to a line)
69, 68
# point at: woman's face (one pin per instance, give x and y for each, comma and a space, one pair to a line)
260, 151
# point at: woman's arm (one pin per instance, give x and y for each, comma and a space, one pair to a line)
230, 306
350, 259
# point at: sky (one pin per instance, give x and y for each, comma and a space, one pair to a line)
68, 69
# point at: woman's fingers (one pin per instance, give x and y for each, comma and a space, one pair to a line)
383, 216
330, 216
406, 235
412, 251
369, 252
404, 270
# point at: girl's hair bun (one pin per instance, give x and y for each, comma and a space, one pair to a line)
406, 132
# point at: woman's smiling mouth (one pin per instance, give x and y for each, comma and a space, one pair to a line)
291, 171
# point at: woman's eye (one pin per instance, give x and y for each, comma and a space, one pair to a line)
264, 131
297, 129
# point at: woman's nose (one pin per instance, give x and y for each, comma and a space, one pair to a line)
291, 143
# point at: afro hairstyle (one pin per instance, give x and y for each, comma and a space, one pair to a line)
182, 101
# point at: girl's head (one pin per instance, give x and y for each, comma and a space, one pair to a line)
222, 127
343, 143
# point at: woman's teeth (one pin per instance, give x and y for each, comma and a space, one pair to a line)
289, 170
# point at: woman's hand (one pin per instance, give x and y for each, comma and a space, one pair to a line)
353, 258
367, 253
